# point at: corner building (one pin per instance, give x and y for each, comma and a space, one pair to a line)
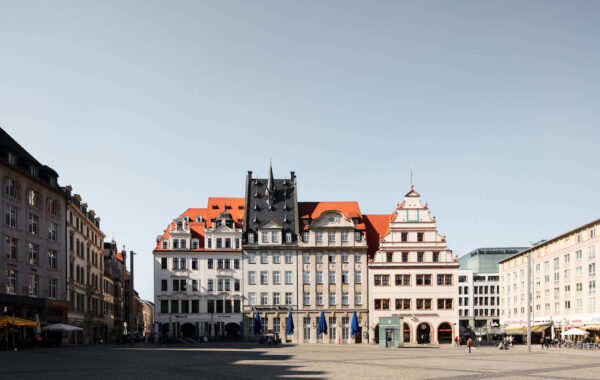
332, 274
412, 278
270, 246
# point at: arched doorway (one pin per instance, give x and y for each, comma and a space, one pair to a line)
423, 333
406, 332
376, 334
232, 329
188, 330
445, 333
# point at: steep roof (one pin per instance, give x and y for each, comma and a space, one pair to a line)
312, 210
377, 227
216, 205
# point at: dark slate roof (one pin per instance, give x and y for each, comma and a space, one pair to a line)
45, 174
258, 211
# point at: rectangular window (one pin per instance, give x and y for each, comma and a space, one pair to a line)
288, 277
420, 256
52, 231
288, 298
236, 285
195, 285
306, 257
251, 278
306, 277
436, 257
250, 237
163, 263
34, 285
264, 298
264, 278
357, 257
33, 224
345, 257
332, 298
251, 299
419, 236
276, 299
389, 256
175, 285
345, 279
382, 304
275, 237
404, 236
182, 263
403, 279
174, 306
219, 263
319, 277
305, 236
288, 237
264, 237
210, 263
331, 277
423, 279
11, 281
357, 236
331, 236
288, 258
319, 299
318, 237
345, 300
164, 306
52, 258
306, 299
10, 216
402, 304
344, 236
34, 253
423, 303
319, 257
358, 298
276, 258
276, 278
331, 256
404, 257
163, 285
195, 264
251, 258
357, 277
264, 258
210, 285
175, 263
236, 263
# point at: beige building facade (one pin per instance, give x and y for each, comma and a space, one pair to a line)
563, 283
85, 271
332, 272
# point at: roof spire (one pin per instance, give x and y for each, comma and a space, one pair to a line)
411, 178
270, 183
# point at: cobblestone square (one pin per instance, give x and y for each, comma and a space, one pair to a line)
245, 361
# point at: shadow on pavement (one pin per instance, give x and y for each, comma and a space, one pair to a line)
204, 361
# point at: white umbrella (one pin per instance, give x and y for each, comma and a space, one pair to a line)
575, 332
61, 327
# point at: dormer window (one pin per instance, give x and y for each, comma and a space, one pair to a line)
288, 237
183, 243
179, 225
186, 218
165, 244
250, 237
195, 244
209, 243
264, 237
274, 238
198, 219
215, 207
357, 236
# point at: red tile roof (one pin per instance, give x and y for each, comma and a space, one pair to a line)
216, 205
377, 227
312, 210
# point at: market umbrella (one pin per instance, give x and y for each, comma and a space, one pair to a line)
322, 327
289, 328
257, 324
575, 332
354, 326
61, 327
15, 321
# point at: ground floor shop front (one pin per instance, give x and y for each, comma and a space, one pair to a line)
209, 327
395, 331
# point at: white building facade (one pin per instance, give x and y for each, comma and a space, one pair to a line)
413, 275
198, 273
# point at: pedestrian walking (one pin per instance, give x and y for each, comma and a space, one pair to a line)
456, 342
542, 342
469, 344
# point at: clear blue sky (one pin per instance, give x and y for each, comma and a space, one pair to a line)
147, 108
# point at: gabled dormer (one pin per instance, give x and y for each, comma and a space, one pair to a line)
180, 234
269, 233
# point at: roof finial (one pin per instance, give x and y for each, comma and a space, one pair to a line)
411, 179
